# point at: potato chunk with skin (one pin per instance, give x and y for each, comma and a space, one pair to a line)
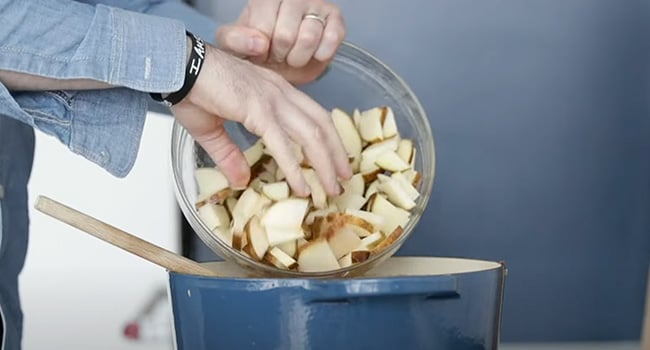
267, 222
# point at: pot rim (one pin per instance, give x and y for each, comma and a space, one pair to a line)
370, 276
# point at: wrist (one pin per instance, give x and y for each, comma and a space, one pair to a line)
188, 53
214, 83
194, 60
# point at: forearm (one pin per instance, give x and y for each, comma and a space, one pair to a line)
198, 23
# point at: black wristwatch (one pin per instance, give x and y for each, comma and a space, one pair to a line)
192, 70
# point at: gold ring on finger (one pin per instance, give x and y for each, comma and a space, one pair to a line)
317, 17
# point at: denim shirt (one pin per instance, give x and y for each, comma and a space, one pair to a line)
138, 52
139, 46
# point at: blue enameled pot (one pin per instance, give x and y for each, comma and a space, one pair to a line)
407, 302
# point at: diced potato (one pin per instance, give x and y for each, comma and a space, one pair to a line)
267, 222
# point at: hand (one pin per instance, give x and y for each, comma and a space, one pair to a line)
268, 106
277, 35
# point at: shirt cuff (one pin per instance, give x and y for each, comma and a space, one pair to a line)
64, 39
103, 126
149, 52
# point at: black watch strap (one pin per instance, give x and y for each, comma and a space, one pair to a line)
192, 70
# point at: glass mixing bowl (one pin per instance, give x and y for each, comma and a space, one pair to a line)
354, 80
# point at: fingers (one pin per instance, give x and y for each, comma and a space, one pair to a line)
281, 113
262, 16
285, 35
313, 140
208, 130
278, 143
242, 41
331, 140
286, 29
333, 35
227, 156
309, 37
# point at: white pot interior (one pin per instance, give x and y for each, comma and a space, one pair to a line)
393, 267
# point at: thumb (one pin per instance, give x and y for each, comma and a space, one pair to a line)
227, 156
209, 131
242, 40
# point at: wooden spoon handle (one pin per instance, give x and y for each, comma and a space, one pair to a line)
132, 244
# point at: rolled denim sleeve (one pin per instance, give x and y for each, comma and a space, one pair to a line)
67, 39
63, 39
103, 126
198, 23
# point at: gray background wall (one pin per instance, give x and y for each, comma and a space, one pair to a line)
540, 111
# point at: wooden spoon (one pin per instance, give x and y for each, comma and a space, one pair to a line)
132, 244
